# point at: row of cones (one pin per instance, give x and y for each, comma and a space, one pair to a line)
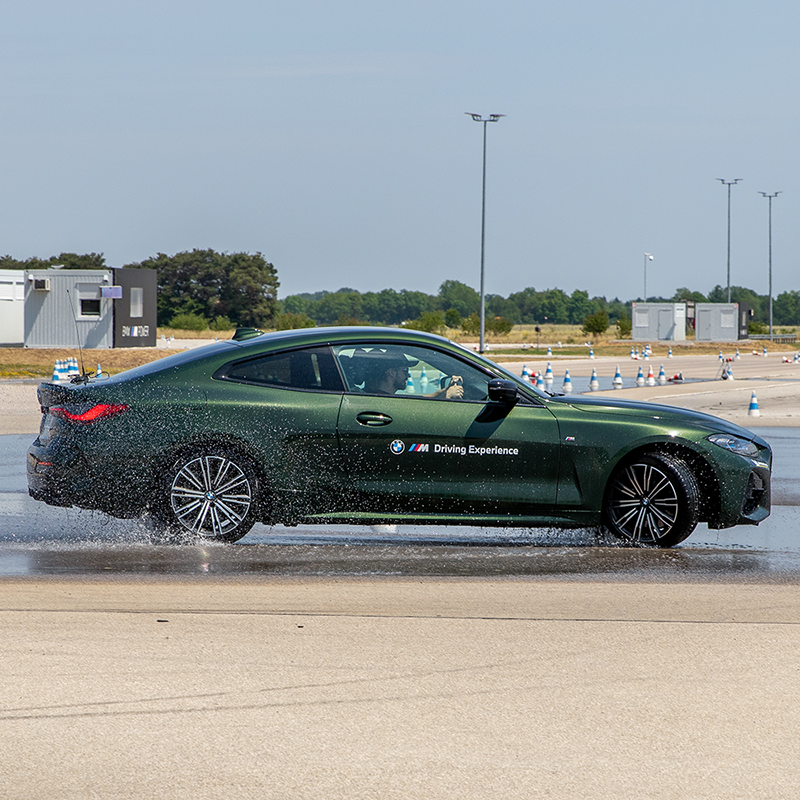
540, 381
66, 369
594, 384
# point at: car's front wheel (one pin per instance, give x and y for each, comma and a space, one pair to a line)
653, 500
212, 494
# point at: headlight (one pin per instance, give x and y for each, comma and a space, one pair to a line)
733, 443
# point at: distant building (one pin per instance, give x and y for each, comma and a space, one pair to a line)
90, 308
12, 308
721, 322
658, 322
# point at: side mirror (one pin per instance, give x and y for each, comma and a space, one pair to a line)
502, 391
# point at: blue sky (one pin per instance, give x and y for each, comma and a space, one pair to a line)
331, 137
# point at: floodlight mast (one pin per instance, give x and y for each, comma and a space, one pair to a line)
478, 118
769, 197
729, 184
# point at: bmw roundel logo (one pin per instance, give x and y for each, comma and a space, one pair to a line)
397, 447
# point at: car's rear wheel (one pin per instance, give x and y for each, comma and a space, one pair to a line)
653, 500
211, 494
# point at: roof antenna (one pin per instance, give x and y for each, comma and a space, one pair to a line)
83, 377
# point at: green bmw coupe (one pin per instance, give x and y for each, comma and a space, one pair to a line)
375, 426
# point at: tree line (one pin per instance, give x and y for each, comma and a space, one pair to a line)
242, 289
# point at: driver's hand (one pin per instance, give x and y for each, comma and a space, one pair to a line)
455, 391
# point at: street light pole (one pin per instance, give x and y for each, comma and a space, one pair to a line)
478, 118
769, 197
729, 184
647, 257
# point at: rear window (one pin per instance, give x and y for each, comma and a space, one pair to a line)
310, 369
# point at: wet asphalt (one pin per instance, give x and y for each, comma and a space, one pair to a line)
38, 540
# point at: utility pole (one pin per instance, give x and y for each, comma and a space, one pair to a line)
769, 197
729, 184
478, 118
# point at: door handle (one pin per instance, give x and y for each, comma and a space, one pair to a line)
373, 418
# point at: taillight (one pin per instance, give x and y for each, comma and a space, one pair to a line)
95, 413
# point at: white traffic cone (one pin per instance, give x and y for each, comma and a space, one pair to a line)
410, 386
56, 372
662, 378
669, 353
423, 380
540, 381
591, 352
594, 384
651, 379
753, 410
99, 373
566, 387
548, 375
640, 378
633, 352
526, 375
549, 351
617, 382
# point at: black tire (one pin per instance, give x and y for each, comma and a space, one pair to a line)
208, 494
653, 500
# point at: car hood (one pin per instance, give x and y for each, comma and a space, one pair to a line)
634, 408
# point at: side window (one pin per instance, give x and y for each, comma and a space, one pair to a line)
310, 369
409, 371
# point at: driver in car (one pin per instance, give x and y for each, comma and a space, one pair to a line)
388, 374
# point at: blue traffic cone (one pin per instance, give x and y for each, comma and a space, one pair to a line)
548, 375
594, 384
753, 410
617, 382
566, 387
662, 378
640, 378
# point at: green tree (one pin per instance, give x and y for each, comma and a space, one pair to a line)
457, 295
288, 320
786, 308
578, 306
471, 325
240, 286
430, 321
452, 318
596, 324
336, 306
624, 326
500, 326
683, 294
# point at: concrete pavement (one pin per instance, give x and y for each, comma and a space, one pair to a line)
398, 689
